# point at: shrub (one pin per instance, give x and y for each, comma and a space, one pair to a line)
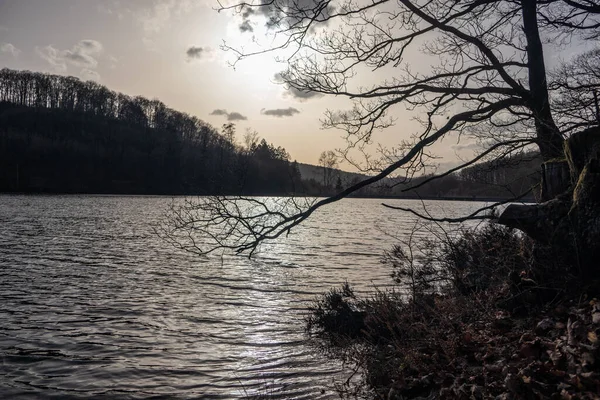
480, 258
446, 286
336, 314
469, 261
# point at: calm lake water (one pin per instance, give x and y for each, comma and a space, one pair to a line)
93, 304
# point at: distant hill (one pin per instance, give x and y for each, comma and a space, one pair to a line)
315, 172
61, 135
508, 177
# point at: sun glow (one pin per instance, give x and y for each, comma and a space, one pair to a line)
258, 40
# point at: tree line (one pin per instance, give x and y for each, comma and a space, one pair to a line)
511, 176
61, 134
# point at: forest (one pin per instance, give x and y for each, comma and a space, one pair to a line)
515, 176
59, 134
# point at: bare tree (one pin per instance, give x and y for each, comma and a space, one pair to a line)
573, 16
329, 162
488, 81
228, 132
250, 139
577, 84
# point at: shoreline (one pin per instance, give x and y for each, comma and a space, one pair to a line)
425, 198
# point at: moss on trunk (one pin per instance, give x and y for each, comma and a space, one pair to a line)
567, 221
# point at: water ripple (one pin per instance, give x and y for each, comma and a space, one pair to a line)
94, 305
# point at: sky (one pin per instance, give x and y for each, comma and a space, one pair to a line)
170, 50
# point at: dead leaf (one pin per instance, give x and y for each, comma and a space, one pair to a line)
592, 337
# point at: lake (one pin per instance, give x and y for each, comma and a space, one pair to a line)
93, 304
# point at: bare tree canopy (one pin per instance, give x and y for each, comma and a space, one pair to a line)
488, 82
577, 83
328, 161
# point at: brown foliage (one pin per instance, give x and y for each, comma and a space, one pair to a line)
491, 331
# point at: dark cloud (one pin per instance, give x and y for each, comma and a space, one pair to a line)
246, 27
195, 52
278, 77
285, 12
280, 112
300, 95
233, 116
267, 9
199, 53
247, 12
219, 112
236, 116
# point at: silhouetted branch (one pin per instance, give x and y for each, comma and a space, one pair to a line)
489, 81
473, 216
241, 224
522, 142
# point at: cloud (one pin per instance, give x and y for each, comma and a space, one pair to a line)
247, 12
199, 53
284, 12
301, 95
10, 48
297, 94
80, 59
113, 8
246, 27
92, 46
194, 52
82, 55
236, 116
155, 18
233, 116
89, 75
219, 112
280, 112
53, 57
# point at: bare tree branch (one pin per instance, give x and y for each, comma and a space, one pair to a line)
487, 82
475, 215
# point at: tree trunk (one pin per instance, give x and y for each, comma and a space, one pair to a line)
549, 138
555, 179
568, 219
566, 223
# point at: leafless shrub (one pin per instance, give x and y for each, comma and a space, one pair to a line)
447, 284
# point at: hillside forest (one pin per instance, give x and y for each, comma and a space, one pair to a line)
59, 134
